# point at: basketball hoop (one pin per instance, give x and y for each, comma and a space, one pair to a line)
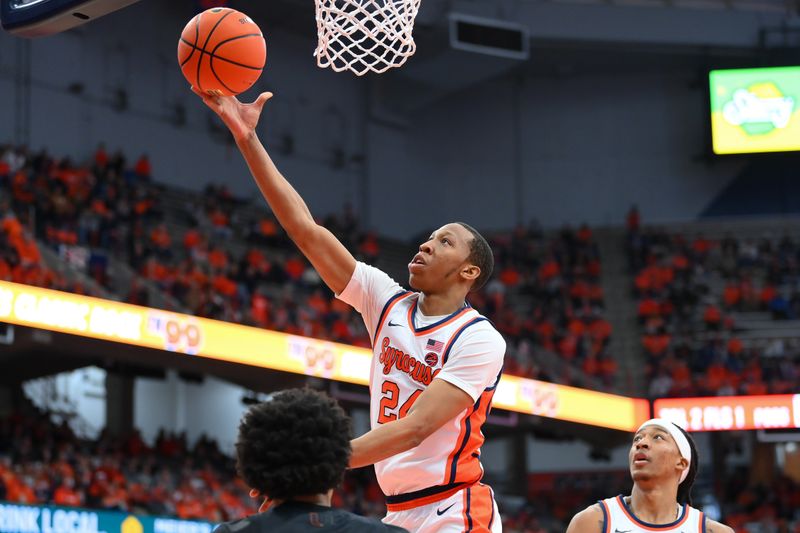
365, 35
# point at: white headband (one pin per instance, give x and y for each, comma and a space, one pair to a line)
680, 439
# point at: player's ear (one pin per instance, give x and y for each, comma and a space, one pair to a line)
470, 272
682, 464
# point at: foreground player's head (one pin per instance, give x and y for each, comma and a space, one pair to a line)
455, 254
664, 454
295, 444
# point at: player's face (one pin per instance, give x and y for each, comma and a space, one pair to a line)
441, 259
654, 455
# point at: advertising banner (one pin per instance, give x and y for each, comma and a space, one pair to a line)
18, 518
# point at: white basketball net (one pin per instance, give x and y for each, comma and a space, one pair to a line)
365, 35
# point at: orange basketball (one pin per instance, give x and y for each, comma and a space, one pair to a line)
222, 51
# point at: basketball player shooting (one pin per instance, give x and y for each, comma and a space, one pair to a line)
436, 361
663, 463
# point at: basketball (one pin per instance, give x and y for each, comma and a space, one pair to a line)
222, 52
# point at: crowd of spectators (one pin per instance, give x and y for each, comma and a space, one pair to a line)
760, 506
42, 462
546, 295
76, 209
220, 258
690, 336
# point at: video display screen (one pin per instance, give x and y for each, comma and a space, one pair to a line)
755, 110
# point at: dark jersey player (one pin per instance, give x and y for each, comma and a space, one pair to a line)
293, 450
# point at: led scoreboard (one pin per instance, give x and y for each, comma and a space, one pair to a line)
731, 413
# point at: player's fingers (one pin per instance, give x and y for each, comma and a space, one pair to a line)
262, 99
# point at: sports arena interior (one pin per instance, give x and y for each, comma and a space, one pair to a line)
643, 267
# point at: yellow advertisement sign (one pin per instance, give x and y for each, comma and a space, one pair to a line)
153, 328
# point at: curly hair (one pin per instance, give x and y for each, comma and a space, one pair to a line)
295, 444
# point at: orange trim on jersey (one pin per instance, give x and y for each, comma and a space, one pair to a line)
450, 458
652, 527
424, 331
481, 508
701, 523
467, 467
606, 517
426, 500
397, 298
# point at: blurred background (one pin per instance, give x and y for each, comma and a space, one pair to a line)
647, 263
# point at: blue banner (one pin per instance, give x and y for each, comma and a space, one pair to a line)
18, 518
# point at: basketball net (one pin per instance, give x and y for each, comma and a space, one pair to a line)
365, 35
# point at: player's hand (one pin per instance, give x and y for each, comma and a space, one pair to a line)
240, 118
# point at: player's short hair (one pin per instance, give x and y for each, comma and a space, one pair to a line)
685, 488
480, 255
295, 444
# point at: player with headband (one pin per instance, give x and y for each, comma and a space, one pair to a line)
663, 463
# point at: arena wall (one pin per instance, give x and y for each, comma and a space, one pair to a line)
557, 148
589, 147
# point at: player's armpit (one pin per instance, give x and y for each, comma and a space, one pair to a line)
590, 520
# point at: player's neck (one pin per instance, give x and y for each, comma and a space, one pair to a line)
323, 499
654, 505
440, 304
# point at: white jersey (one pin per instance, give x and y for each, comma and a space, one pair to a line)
618, 518
409, 351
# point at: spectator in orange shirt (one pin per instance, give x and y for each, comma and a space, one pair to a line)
584, 234
101, 157
294, 267
656, 344
549, 270
143, 168
191, 239
633, 219
370, 248
732, 295
701, 246
66, 495
712, 317
21, 491
510, 276
648, 307
600, 329
735, 346
218, 258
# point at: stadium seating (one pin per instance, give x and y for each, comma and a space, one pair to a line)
719, 313
212, 255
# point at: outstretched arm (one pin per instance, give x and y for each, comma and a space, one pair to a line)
329, 256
